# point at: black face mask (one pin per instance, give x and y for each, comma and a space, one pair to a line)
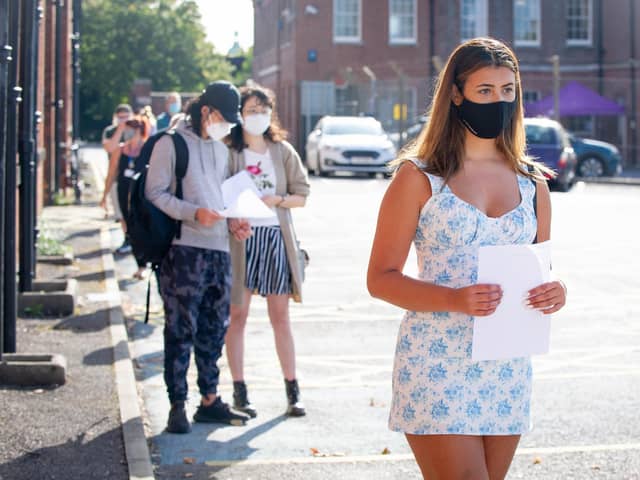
486, 120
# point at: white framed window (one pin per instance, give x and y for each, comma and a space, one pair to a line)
402, 22
347, 21
579, 22
473, 19
526, 23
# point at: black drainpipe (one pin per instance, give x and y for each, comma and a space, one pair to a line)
9, 313
6, 53
27, 148
59, 101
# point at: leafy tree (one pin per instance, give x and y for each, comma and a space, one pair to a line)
162, 40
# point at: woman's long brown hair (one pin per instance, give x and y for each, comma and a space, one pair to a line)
440, 144
265, 97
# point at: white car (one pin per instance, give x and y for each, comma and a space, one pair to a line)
349, 144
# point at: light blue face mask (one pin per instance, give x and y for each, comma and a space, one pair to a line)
174, 108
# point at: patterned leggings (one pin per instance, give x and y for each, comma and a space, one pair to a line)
195, 284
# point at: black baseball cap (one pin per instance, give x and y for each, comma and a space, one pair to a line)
224, 97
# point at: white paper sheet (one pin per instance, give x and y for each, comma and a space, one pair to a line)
513, 330
235, 185
242, 198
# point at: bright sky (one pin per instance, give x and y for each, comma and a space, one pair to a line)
222, 18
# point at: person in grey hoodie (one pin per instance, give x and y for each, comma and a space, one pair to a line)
195, 275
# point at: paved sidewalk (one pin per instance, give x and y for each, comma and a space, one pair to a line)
73, 431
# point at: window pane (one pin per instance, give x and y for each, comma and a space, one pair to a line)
526, 15
402, 20
473, 18
579, 20
346, 18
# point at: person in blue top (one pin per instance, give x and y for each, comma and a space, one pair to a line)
463, 184
173, 106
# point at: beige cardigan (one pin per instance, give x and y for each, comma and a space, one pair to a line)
291, 178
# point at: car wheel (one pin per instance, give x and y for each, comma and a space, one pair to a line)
591, 166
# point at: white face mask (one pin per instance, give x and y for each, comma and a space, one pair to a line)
219, 130
257, 123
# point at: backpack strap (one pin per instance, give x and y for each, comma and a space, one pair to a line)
182, 163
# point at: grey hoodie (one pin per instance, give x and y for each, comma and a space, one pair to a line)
208, 168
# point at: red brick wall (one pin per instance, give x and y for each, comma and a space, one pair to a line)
304, 32
274, 49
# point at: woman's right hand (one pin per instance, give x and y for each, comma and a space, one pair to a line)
477, 300
207, 217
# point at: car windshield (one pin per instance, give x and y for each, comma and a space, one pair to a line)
538, 134
353, 127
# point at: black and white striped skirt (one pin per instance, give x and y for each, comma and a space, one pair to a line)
268, 270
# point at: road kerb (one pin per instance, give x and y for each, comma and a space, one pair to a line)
135, 442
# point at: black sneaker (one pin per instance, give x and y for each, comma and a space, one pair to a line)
219, 412
241, 400
178, 422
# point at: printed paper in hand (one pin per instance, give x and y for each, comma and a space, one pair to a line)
242, 198
513, 330
234, 186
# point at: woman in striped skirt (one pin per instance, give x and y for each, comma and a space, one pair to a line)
267, 263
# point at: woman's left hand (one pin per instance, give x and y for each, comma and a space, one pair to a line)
272, 200
240, 228
548, 297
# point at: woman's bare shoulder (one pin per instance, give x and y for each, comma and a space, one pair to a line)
410, 181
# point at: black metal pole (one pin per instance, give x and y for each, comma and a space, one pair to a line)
75, 100
599, 46
15, 92
632, 66
59, 101
37, 120
27, 149
5, 60
77, 15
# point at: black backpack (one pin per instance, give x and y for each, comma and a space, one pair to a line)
150, 230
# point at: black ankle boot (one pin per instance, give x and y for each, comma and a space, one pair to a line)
295, 407
241, 399
178, 422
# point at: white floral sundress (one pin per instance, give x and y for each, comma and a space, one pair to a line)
437, 388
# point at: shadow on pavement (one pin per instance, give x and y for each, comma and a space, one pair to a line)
149, 365
231, 450
83, 234
90, 277
104, 356
92, 254
90, 322
80, 457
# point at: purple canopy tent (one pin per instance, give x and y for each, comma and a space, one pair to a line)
574, 99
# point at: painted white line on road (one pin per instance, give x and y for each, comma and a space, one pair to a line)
401, 457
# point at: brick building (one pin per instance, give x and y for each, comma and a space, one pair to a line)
365, 56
